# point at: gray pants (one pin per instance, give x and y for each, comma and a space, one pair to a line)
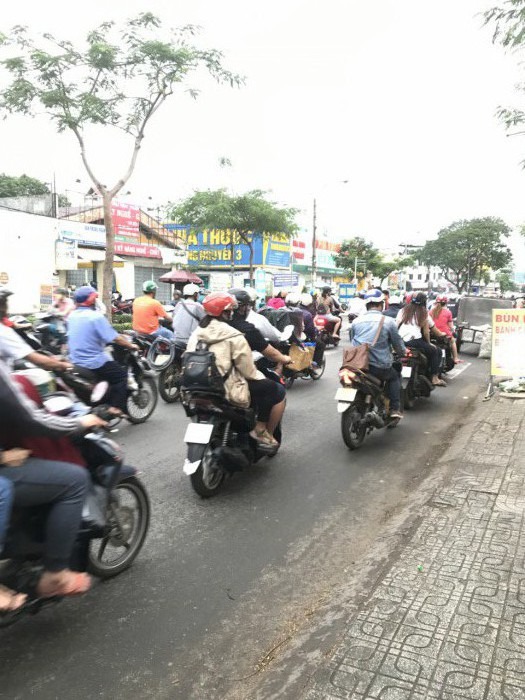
63, 487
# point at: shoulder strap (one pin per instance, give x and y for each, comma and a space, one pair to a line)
379, 327
188, 311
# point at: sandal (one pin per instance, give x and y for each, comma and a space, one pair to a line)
264, 437
10, 601
76, 584
439, 382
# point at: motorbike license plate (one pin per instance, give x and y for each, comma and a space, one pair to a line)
406, 372
199, 433
346, 394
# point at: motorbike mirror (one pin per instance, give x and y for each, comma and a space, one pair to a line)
287, 332
99, 391
59, 405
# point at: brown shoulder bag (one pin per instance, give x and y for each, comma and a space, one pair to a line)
357, 357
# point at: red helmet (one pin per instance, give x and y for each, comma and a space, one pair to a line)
408, 297
217, 302
441, 299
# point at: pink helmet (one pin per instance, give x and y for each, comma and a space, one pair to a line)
442, 299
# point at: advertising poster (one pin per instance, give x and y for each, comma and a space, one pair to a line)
126, 221
66, 255
213, 249
508, 343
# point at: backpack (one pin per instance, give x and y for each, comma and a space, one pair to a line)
200, 371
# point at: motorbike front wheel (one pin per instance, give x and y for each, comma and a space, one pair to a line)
128, 518
353, 427
169, 383
142, 401
318, 373
207, 480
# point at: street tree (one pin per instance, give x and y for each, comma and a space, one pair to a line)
248, 217
120, 77
356, 255
466, 250
25, 186
505, 279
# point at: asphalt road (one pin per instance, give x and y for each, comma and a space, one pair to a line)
219, 580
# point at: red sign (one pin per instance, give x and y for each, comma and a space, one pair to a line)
137, 250
126, 220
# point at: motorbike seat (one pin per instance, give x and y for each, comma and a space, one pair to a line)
85, 373
373, 379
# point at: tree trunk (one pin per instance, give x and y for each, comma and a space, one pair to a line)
107, 277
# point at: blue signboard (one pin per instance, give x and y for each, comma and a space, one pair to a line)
347, 291
214, 249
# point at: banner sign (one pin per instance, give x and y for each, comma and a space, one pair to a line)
287, 280
213, 249
138, 250
325, 253
508, 343
66, 255
126, 220
88, 235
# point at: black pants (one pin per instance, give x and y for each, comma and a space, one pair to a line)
393, 387
320, 347
431, 351
265, 395
117, 378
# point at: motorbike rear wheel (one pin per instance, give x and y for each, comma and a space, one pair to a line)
408, 399
169, 387
129, 515
353, 428
207, 480
141, 403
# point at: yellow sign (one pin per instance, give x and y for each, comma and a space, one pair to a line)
508, 342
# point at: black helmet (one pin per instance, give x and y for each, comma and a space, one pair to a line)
420, 299
241, 295
5, 292
327, 290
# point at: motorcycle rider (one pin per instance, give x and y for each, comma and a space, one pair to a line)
395, 306
442, 317
363, 330
62, 304
414, 326
255, 339
269, 332
89, 333
310, 331
13, 347
188, 314
331, 306
147, 311
231, 348
356, 306
60, 485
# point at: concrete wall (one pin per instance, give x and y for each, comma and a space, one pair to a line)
27, 256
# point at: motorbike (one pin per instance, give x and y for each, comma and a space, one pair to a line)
142, 389
115, 520
325, 328
121, 306
290, 374
362, 405
447, 361
218, 440
47, 333
416, 379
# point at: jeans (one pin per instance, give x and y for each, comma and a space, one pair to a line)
6, 500
163, 332
117, 378
393, 387
63, 487
431, 351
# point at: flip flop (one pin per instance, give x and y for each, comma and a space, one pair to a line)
78, 584
15, 600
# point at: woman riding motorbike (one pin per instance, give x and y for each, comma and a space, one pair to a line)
57, 484
442, 317
233, 357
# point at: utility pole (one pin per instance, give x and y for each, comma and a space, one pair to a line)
314, 241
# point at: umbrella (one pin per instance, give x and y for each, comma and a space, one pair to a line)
180, 276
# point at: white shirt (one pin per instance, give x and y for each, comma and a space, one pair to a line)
264, 326
12, 347
411, 331
356, 306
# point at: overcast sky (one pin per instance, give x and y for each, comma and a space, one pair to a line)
398, 97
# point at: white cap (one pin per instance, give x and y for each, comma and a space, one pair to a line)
306, 299
190, 289
293, 298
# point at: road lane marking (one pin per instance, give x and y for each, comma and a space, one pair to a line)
458, 370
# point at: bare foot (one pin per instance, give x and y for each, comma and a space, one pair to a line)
10, 600
63, 583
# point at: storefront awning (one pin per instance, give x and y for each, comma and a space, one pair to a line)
93, 255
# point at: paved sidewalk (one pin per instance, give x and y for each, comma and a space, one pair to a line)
448, 619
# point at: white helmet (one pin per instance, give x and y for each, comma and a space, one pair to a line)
190, 289
293, 299
251, 293
306, 299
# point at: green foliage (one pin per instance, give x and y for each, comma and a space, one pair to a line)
122, 318
369, 259
467, 249
22, 186
250, 215
121, 327
506, 281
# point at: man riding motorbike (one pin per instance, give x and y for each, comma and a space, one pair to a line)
363, 330
147, 311
233, 357
89, 333
59, 485
269, 332
188, 313
13, 348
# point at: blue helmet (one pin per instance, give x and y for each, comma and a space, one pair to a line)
374, 296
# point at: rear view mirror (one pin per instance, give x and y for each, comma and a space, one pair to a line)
287, 332
99, 391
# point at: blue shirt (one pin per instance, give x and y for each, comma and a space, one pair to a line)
364, 329
89, 332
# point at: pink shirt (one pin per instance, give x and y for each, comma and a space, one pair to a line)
442, 321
